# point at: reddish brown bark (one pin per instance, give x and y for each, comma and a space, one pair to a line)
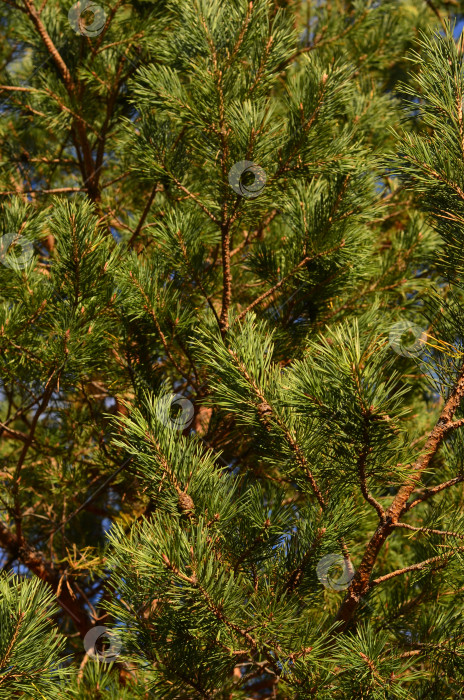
361, 582
38, 565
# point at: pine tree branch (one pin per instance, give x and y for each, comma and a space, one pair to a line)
9, 648
365, 492
53, 51
194, 197
58, 190
322, 42
258, 232
295, 577
413, 567
37, 564
195, 277
362, 459
226, 221
17, 88
262, 65
226, 277
58, 101
256, 542
264, 413
219, 615
90, 172
14, 433
144, 215
430, 531
306, 125
277, 286
15, 5
443, 425
130, 40
360, 583
149, 309
165, 466
92, 497
407, 654
437, 176
188, 681
369, 289
428, 493
108, 21
49, 388
241, 36
452, 425
110, 103
438, 15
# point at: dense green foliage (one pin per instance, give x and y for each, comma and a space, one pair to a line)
231, 356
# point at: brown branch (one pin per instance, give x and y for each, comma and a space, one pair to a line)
8, 650
90, 172
365, 451
241, 35
256, 542
297, 574
14, 433
59, 190
443, 425
49, 388
227, 278
18, 414
361, 581
407, 654
37, 564
144, 215
429, 530
15, 88
428, 493
194, 197
195, 276
455, 424
109, 19
150, 311
219, 615
438, 15
413, 567
262, 64
362, 459
265, 411
317, 45
13, 4
53, 51
284, 279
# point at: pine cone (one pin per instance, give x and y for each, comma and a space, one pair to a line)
264, 412
185, 503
